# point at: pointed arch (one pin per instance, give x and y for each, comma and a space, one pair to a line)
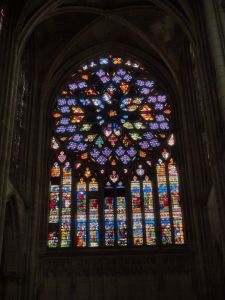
113, 182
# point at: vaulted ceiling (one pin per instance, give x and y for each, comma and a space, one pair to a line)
61, 29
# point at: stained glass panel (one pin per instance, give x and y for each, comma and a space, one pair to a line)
93, 186
93, 223
109, 217
149, 213
66, 206
54, 202
93, 214
55, 170
176, 207
53, 239
121, 216
136, 213
81, 218
163, 203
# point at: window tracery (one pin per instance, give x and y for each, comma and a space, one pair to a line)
114, 179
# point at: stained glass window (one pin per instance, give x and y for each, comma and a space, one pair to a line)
114, 180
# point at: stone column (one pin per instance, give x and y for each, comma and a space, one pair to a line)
214, 14
8, 84
211, 75
215, 22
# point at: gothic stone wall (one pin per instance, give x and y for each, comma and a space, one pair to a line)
134, 277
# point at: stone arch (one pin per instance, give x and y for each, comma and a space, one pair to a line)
57, 76
27, 25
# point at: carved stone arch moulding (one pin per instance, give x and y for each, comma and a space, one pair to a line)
50, 9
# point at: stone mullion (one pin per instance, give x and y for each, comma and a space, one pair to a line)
129, 212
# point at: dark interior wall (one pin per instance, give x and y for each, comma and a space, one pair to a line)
127, 286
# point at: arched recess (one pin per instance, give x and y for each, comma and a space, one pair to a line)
167, 82
54, 82
57, 80
10, 265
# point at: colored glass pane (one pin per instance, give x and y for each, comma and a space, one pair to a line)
55, 170
109, 218
53, 239
171, 140
93, 223
54, 204
163, 203
149, 213
66, 206
81, 218
121, 219
136, 213
54, 144
93, 186
176, 207
54, 198
61, 157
